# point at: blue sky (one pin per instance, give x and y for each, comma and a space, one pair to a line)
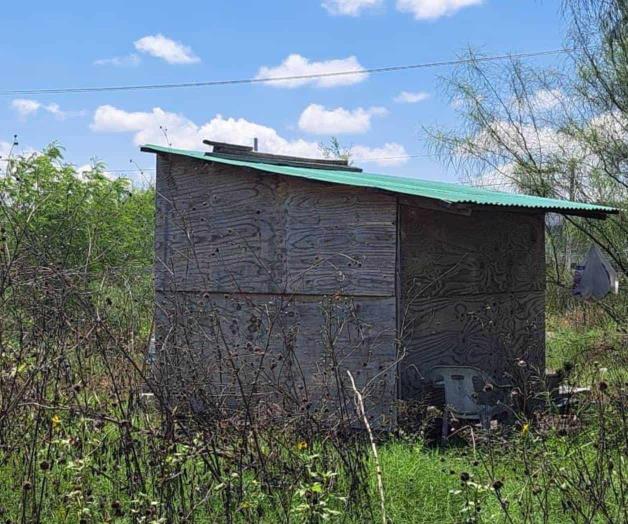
76, 43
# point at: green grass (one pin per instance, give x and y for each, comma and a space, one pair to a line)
590, 354
86, 478
422, 485
420, 482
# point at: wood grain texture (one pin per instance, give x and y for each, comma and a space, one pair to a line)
269, 288
219, 230
472, 294
293, 352
260, 276
453, 255
489, 332
229, 229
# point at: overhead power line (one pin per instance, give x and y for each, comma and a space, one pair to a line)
258, 80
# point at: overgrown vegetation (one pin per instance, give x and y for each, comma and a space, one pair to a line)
82, 439
85, 434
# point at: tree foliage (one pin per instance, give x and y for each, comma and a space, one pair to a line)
65, 215
555, 131
78, 230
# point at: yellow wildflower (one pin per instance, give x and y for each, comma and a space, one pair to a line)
56, 421
301, 445
525, 429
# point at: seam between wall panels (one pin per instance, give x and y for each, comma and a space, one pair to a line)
398, 341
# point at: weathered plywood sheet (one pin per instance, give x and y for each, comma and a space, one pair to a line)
489, 332
227, 229
472, 293
340, 240
218, 229
446, 254
351, 260
234, 351
270, 288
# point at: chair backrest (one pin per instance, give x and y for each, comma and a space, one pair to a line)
460, 394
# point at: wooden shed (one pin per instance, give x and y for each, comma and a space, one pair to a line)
274, 276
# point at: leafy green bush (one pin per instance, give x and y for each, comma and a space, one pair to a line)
83, 220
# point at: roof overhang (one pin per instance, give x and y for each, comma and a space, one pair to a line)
451, 194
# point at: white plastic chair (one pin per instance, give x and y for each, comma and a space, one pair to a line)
461, 399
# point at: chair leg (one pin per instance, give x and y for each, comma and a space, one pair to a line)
485, 420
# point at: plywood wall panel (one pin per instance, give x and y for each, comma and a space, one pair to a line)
270, 288
292, 352
231, 229
490, 332
220, 230
487, 252
472, 293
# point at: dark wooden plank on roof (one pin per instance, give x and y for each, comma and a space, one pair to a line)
228, 148
277, 160
234, 149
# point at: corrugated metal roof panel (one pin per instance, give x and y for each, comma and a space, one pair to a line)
443, 191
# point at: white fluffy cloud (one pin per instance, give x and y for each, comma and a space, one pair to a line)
153, 126
432, 9
421, 9
167, 49
297, 65
409, 97
546, 99
389, 154
350, 7
119, 61
318, 120
26, 107
5, 147
81, 172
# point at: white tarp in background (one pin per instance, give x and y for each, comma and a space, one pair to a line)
594, 278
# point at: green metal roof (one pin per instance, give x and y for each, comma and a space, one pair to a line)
443, 191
